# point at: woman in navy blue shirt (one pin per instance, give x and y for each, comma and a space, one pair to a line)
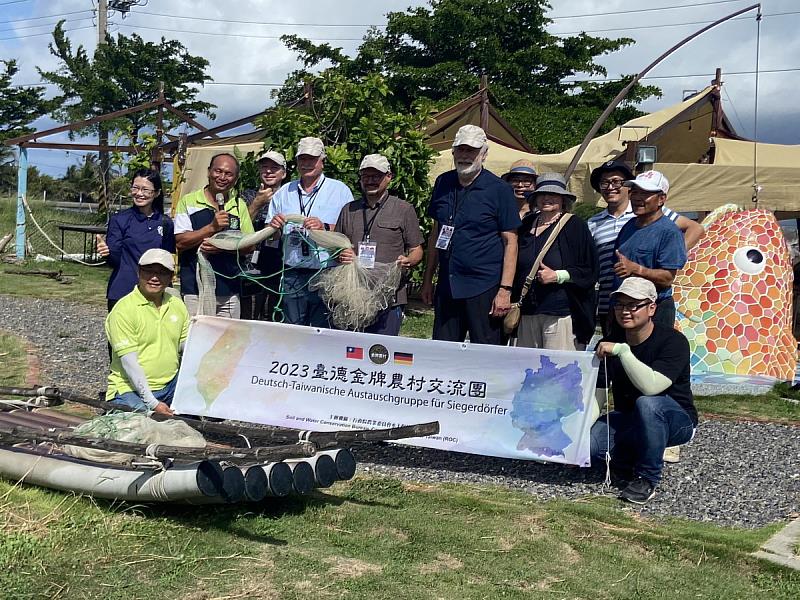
134, 230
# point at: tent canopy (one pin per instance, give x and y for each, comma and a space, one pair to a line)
681, 133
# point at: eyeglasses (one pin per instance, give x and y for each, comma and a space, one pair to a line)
611, 184
140, 190
631, 308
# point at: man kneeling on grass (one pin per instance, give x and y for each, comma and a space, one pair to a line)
146, 330
653, 403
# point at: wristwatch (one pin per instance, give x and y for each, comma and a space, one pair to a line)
507, 288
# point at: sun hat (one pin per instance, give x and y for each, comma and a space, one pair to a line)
275, 157
520, 167
552, 183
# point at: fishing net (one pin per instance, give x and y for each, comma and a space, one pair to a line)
355, 294
231, 240
134, 428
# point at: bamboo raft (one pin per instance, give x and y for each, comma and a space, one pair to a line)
239, 463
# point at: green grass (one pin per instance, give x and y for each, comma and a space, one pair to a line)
373, 538
770, 407
82, 283
418, 323
13, 358
48, 218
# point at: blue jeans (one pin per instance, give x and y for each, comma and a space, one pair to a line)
134, 400
637, 438
300, 305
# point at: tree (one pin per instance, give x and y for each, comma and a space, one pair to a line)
440, 53
19, 106
123, 73
356, 117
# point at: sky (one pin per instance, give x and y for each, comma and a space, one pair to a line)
247, 60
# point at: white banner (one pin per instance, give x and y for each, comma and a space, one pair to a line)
489, 400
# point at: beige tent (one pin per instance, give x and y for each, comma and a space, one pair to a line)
681, 134
195, 170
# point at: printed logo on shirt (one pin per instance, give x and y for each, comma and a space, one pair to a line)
235, 222
160, 230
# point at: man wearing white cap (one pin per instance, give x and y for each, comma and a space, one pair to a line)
146, 330
383, 229
653, 402
267, 257
473, 244
650, 245
319, 200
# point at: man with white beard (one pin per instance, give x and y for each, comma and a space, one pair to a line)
473, 244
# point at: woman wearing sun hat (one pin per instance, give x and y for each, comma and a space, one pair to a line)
557, 308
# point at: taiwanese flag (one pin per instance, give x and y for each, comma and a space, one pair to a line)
403, 358
355, 352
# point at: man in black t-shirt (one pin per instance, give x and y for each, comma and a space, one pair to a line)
653, 403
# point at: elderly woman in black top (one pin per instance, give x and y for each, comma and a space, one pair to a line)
558, 309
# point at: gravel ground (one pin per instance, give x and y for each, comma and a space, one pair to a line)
733, 473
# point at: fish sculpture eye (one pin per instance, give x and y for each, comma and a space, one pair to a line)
749, 260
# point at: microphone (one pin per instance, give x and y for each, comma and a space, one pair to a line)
220, 198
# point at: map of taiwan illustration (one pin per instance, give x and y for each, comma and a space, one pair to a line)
218, 365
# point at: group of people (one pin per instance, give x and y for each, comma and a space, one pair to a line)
496, 244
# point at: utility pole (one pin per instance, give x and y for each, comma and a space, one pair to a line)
102, 131
102, 21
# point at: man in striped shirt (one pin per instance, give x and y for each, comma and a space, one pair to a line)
607, 179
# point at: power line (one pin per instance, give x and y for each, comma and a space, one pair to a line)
13, 2
19, 37
725, 73
251, 22
792, 12
238, 35
44, 24
74, 12
607, 80
641, 10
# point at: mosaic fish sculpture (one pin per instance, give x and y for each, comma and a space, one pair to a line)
734, 299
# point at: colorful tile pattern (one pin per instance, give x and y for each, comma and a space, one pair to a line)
734, 297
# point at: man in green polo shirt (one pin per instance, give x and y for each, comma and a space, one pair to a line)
146, 330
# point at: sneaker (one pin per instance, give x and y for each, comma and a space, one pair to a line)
638, 491
672, 454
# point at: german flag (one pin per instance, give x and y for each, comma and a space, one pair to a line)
403, 358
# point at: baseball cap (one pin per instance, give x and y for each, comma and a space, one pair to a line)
637, 288
520, 167
375, 161
650, 181
157, 256
611, 165
470, 135
311, 146
275, 157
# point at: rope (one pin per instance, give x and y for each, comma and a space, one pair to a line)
607, 481
756, 187
52, 243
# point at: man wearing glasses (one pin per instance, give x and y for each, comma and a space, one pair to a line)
608, 180
653, 402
